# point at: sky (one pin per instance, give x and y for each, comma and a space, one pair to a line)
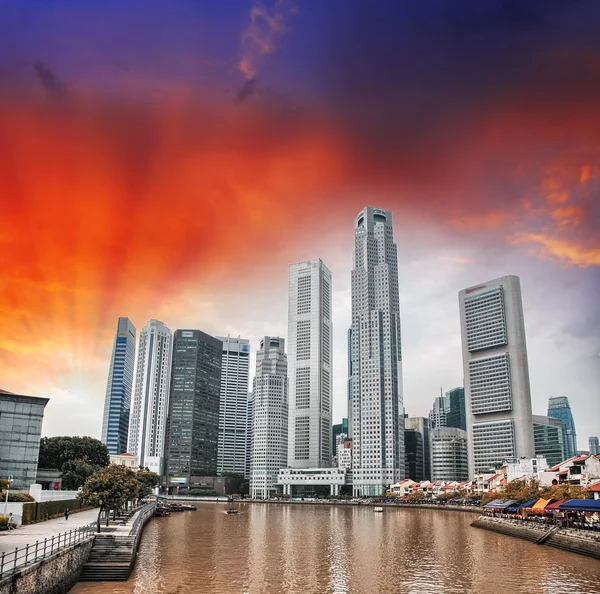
170, 160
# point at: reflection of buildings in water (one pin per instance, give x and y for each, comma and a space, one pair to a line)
338, 551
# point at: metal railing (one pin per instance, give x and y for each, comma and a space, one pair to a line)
11, 561
144, 512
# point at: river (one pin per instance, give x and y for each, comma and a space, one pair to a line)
289, 549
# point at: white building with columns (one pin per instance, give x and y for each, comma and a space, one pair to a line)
306, 479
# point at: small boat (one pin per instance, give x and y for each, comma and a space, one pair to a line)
231, 510
161, 512
378, 509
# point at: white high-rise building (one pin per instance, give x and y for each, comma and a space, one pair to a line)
377, 404
497, 393
449, 459
249, 434
269, 417
309, 363
151, 396
233, 410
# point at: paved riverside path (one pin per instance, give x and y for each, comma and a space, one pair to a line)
10, 539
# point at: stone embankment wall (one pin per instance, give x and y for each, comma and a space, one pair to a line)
568, 540
53, 575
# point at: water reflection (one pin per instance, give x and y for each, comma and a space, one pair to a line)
276, 549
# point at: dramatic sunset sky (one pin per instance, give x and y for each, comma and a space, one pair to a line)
170, 159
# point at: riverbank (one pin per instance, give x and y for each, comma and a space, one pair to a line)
574, 541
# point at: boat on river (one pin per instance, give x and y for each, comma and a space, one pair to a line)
378, 509
232, 510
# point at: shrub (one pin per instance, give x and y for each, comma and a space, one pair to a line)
19, 497
3, 520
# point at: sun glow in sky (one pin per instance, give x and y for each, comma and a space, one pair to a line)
170, 160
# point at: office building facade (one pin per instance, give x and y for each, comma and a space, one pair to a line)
336, 430
496, 372
548, 435
232, 456
559, 408
423, 426
456, 414
414, 449
20, 431
193, 422
148, 420
449, 454
310, 336
437, 414
117, 402
269, 417
377, 414
594, 446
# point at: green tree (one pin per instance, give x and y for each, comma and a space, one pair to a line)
417, 496
149, 480
75, 473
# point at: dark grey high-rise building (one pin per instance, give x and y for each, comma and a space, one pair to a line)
422, 425
414, 454
559, 408
193, 421
455, 413
548, 434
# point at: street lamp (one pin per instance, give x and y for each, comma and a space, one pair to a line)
10, 480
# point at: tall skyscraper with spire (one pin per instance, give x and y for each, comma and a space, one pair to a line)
115, 424
496, 372
147, 426
377, 415
309, 365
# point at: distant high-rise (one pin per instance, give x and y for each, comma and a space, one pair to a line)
269, 417
336, 430
449, 458
548, 435
148, 421
559, 408
456, 414
377, 414
496, 372
423, 426
349, 385
310, 365
414, 454
117, 403
594, 446
193, 425
233, 414
437, 415
249, 418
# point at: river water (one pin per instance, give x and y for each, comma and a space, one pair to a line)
288, 549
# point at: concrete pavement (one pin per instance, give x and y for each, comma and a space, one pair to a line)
24, 535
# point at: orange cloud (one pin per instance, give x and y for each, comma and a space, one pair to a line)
569, 252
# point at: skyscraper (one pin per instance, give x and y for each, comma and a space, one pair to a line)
437, 415
414, 454
449, 459
269, 417
423, 426
233, 413
456, 414
496, 372
193, 425
336, 430
548, 436
249, 418
377, 415
309, 361
117, 403
559, 408
148, 421
594, 446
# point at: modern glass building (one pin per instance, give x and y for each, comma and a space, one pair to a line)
423, 426
559, 408
336, 430
496, 372
20, 430
449, 457
310, 335
456, 415
377, 413
549, 439
193, 422
233, 407
594, 446
117, 403
269, 417
414, 458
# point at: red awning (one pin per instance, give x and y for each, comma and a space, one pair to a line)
554, 506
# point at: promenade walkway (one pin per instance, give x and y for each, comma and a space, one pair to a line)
28, 534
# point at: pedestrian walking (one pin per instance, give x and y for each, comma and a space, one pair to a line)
11, 522
67, 512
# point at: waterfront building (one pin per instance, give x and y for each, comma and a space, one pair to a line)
232, 454
193, 422
312, 482
559, 408
336, 430
310, 365
148, 420
269, 417
525, 468
127, 460
344, 452
117, 402
414, 454
377, 413
548, 435
20, 431
594, 446
423, 426
579, 471
403, 488
496, 372
449, 454
249, 433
